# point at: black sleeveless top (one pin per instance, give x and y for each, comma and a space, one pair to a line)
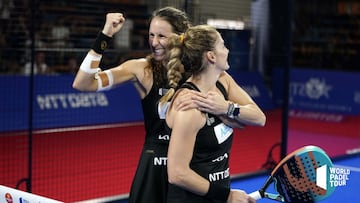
210, 157
154, 119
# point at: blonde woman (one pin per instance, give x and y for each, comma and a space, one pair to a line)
200, 142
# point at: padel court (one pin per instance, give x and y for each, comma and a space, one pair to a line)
84, 147
97, 163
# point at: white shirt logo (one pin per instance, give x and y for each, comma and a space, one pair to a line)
162, 110
222, 132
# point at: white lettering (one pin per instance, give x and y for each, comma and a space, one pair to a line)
160, 161
314, 88
335, 170
316, 116
164, 137
338, 176
337, 183
219, 175
64, 101
297, 89
220, 158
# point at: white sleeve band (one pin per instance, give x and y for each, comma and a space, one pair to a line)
90, 64
256, 195
105, 80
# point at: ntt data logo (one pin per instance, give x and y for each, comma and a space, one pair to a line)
330, 177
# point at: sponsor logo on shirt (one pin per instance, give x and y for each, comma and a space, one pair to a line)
160, 161
222, 132
220, 158
219, 175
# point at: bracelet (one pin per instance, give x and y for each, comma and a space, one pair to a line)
101, 42
230, 110
217, 191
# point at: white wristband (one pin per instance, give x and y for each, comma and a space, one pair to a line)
256, 195
90, 64
105, 80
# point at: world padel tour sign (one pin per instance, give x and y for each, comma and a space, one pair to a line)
330, 177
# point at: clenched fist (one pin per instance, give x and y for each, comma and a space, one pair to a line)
114, 22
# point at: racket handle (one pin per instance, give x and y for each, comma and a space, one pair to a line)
256, 195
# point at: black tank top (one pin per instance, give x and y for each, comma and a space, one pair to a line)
210, 156
154, 117
154, 122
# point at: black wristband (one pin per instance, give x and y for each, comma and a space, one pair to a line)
101, 42
217, 191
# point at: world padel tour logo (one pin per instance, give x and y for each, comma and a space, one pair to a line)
330, 177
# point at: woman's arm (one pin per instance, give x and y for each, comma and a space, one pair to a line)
88, 78
249, 111
214, 102
185, 125
129, 70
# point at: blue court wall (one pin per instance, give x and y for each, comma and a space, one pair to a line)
324, 91
55, 104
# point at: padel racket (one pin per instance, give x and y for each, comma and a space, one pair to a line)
295, 177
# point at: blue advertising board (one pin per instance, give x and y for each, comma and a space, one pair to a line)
55, 104
320, 90
14, 102
254, 85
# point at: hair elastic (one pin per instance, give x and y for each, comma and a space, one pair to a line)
181, 38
